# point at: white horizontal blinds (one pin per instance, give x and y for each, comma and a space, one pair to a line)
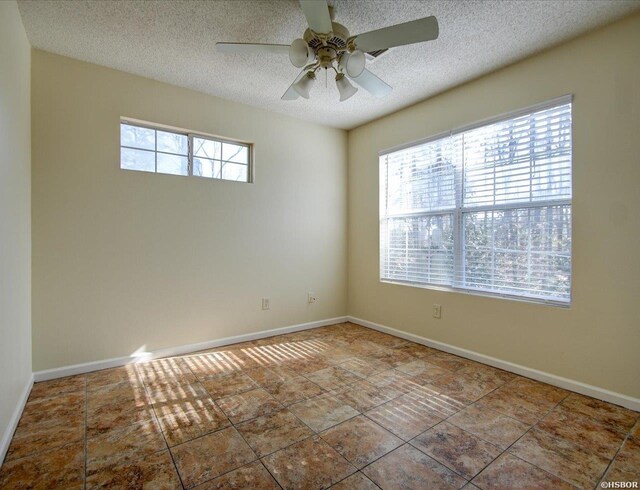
524, 251
418, 205
421, 178
419, 249
525, 159
517, 172
486, 209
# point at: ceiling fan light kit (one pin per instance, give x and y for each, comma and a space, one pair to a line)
303, 86
344, 87
300, 53
327, 44
354, 63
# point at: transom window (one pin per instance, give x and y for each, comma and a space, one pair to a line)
484, 209
150, 149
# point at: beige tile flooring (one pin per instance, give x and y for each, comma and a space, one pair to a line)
340, 405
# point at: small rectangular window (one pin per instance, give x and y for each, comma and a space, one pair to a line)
483, 209
148, 149
220, 159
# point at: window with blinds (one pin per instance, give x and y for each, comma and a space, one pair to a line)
483, 209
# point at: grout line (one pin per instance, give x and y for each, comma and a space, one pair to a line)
503, 451
224, 473
446, 420
353, 474
259, 459
268, 471
157, 421
506, 450
468, 479
405, 443
50, 449
232, 425
408, 441
541, 469
313, 432
379, 457
626, 438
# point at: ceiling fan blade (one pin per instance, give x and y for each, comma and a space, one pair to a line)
291, 94
372, 84
317, 14
416, 31
252, 48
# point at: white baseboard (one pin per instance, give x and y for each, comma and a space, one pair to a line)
175, 351
15, 418
552, 379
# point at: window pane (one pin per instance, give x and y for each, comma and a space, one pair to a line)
233, 171
203, 167
511, 229
551, 275
142, 160
421, 178
172, 164
173, 143
418, 249
207, 148
551, 229
551, 178
235, 153
137, 137
519, 251
524, 159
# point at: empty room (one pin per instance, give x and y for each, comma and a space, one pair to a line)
308, 244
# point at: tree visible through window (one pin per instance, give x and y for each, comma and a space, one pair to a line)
150, 149
485, 209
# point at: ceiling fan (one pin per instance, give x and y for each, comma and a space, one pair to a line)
327, 44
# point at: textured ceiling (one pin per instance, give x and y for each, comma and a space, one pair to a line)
173, 41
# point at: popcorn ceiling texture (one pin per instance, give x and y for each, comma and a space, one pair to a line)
174, 42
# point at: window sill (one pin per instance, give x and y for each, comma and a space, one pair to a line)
485, 294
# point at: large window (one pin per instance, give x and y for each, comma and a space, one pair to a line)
483, 209
149, 149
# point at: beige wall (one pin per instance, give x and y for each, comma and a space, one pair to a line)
15, 214
126, 260
597, 340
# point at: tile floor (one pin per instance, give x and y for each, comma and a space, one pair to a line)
341, 406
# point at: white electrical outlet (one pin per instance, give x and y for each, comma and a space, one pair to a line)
265, 303
311, 298
437, 311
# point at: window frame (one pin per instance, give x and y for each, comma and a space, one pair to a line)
457, 213
190, 149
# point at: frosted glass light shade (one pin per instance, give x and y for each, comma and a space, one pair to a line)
300, 53
303, 87
344, 87
355, 63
